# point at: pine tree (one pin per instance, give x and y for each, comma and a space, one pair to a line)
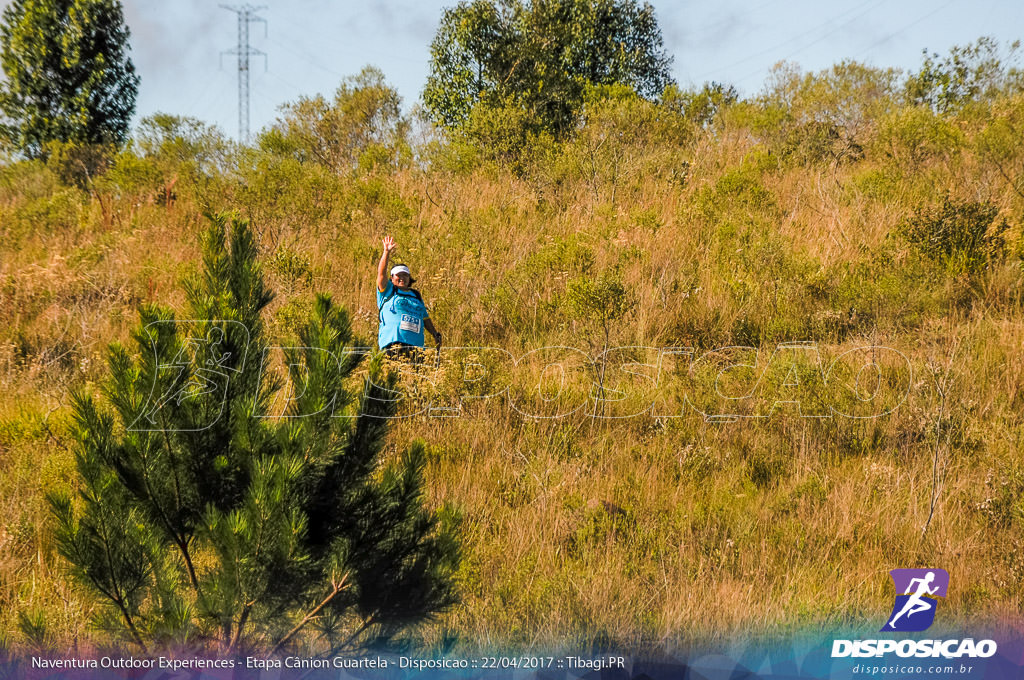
204, 522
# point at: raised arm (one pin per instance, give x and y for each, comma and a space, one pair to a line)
382, 268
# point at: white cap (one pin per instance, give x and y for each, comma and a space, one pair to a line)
398, 269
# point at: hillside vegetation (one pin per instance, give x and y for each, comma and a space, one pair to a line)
856, 207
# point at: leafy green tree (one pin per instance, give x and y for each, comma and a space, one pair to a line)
362, 126
69, 77
829, 115
181, 142
471, 56
218, 514
978, 70
542, 54
700, 106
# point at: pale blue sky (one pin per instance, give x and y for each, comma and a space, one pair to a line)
312, 44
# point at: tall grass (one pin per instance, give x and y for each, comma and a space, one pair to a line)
650, 532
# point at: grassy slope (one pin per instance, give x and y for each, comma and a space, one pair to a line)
642, 530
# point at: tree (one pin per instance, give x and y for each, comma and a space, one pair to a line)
541, 54
968, 73
471, 57
600, 301
204, 520
826, 116
363, 125
69, 77
181, 141
700, 107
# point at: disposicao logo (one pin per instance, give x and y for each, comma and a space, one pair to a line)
916, 590
914, 611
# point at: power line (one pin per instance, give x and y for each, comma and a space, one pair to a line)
904, 28
714, 27
794, 39
829, 33
823, 36
309, 60
291, 86
381, 51
246, 15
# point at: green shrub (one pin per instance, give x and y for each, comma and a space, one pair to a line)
280, 190
761, 119
826, 116
816, 142
604, 522
78, 164
27, 180
765, 468
877, 184
58, 211
135, 176
700, 107
292, 265
293, 270
913, 135
502, 133
962, 236
179, 142
998, 143
623, 143
602, 299
738, 190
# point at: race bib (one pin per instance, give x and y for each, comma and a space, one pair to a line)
410, 323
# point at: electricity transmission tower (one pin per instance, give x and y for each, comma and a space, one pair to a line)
246, 15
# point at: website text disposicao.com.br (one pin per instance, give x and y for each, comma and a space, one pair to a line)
912, 670
911, 656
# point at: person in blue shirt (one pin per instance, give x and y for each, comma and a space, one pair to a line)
403, 316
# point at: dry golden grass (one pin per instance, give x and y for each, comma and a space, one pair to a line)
646, 532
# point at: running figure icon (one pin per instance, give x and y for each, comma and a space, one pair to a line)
916, 600
916, 603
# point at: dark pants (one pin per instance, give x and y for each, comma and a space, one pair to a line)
399, 351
